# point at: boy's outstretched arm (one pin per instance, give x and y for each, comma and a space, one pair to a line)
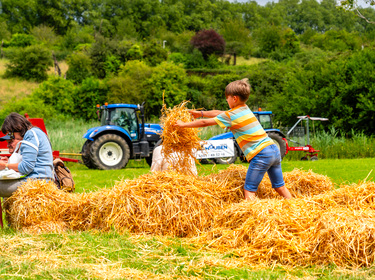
197, 123
205, 114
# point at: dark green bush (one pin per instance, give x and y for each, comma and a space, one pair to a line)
215, 89
20, 40
134, 53
170, 79
58, 93
92, 91
112, 65
79, 67
154, 54
177, 58
129, 85
31, 105
30, 63
99, 52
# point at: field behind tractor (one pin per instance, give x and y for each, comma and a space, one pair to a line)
96, 255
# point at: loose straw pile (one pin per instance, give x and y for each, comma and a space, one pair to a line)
300, 183
336, 226
333, 227
179, 144
162, 203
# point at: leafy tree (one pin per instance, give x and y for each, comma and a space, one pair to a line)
44, 35
337, 40
99, 52
195, 60
21, 40
126, 29
215, 90
237, 38
19, 15
134, 53
178, 42
269, 39
58, 93
170, 79
76, 36
79, 67
154, 54
208, 42
90, 92
112, 65
30, 63
129, 85
4, 32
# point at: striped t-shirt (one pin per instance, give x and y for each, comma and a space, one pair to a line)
246, 128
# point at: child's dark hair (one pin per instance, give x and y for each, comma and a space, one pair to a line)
14, 122
240, 88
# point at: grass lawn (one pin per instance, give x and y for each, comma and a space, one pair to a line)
341, 171
96, 255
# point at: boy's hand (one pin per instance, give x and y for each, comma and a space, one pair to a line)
196, 114
179, 123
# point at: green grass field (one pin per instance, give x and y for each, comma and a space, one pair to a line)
343, 171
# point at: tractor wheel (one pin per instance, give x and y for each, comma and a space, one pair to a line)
86, 157
110, 151
314, 158
280, 143
227, 160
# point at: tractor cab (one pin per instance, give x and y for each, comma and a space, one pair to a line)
122, 115
265, 118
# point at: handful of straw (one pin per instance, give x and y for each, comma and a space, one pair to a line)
179, 144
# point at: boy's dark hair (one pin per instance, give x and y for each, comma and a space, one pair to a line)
14, 122
240, 88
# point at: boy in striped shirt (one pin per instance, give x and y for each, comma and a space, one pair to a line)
258, 148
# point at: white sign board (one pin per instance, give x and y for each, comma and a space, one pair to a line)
216, 149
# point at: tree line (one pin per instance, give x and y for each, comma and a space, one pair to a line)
317, 58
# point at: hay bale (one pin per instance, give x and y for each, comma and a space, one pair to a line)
163, 203
36, 202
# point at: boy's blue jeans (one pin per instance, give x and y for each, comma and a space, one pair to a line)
268, 160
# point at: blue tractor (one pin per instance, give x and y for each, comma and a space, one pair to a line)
123, 135
265, 119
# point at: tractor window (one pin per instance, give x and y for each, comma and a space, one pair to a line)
127, 119
265, 121
103, 117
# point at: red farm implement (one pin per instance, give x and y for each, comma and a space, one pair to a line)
38, 122
306, 147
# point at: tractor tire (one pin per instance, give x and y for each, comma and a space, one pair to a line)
227, 160
86, 157
110, 151
280, 143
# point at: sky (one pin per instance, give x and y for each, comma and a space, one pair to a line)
361, 3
